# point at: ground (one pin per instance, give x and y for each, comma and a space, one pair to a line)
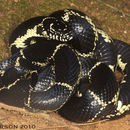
110, 15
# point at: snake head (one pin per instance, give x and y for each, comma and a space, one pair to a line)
52, 28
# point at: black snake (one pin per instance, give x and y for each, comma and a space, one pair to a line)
63, 63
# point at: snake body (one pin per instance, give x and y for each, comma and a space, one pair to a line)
63, 63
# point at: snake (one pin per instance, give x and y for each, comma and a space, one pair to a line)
64, 63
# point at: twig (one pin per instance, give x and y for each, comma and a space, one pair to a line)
123, 13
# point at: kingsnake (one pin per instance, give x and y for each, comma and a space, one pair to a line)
63, 63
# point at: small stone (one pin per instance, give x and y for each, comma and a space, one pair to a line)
125, 31
16, 1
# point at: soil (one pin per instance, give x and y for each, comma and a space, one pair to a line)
111, 15
17, 118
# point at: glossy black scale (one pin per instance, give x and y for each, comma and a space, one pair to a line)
83, 33
105, 51
21, 30
122, 106
61, 83
52, 28
15, 94
39, 53
40, 77
85, 107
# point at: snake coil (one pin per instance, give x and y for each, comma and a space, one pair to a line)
63, 63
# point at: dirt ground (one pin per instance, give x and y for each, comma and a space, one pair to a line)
113, 16
17, 118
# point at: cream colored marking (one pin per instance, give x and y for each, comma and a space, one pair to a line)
96, 38
120, 63
90, 54
64, 102
104, 35
96, 97
2, 72
104, 105
17, 62
53, 83
111, 67
40, 63
56, 37
120, 110
44, 33
59, 83
119, 105
19, 42
57, 48
79, 94
89, 73
63, 84
52, 34
53, 68
52, 57
115, 98
102, 108
110, 115
99, 112
71, 38
71, 12
32, 42
51, 28
66, 18
29, 97
22, 54
123, 81
33, 71
123, 109
79, 76
95, 31
9, 86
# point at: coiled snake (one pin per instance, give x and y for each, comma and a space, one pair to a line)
63, 63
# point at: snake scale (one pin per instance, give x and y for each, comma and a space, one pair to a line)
64, 63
